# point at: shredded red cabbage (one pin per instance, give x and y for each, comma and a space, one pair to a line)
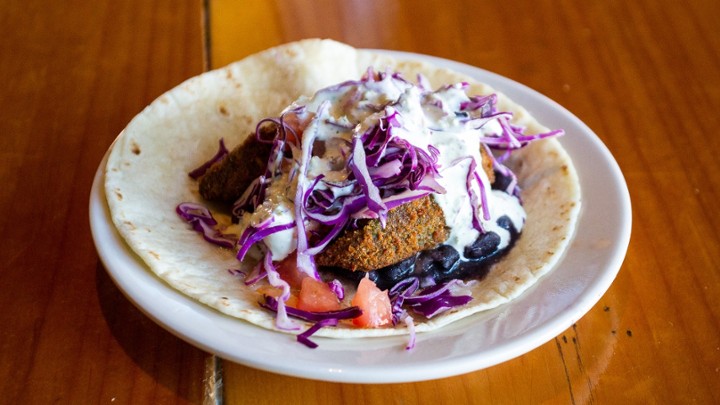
203, 222
237, 273
281, 320
398, 293
436, 299
310, 316
258, 273
428, 302
385, 171
320, 319
362, 175
252, 234
304, 337
382, 171
219, 155
337, 288
410, 323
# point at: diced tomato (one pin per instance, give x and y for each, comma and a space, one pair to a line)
270, 291
317, 296
289, 272
292, 121
375, 305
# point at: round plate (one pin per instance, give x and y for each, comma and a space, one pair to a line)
556, 302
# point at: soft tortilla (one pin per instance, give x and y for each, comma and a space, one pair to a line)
146, 176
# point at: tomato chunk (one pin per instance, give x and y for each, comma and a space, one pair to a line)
288, 271
317, 296
375, 305
295, 127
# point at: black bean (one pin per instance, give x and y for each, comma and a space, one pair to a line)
435, 264
441, 263
485, 245
442, 257
477, 269
388, 276
504, 222
501, 182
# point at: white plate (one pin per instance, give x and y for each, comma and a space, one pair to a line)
546, 310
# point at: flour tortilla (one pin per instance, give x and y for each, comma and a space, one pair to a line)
146, 176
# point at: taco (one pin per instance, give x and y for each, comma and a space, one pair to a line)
363, 194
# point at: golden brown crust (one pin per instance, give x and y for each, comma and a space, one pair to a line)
410, 228
487, 165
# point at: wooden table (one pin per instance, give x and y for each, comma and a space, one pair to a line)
645, 76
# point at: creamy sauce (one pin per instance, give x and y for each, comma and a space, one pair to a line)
336, 114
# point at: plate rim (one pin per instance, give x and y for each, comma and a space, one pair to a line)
517, 346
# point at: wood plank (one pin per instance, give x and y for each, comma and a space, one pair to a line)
74, 75
643, 75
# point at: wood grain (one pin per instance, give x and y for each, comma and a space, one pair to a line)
644, 75
74, 73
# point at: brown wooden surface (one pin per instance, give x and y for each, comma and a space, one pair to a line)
645, 76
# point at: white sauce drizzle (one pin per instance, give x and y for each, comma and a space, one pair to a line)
428, 118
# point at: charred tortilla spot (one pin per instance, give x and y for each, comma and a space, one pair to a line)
223, 110
119, 195
135, 148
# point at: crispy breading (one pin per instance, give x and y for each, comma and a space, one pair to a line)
410, 228
487, 165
